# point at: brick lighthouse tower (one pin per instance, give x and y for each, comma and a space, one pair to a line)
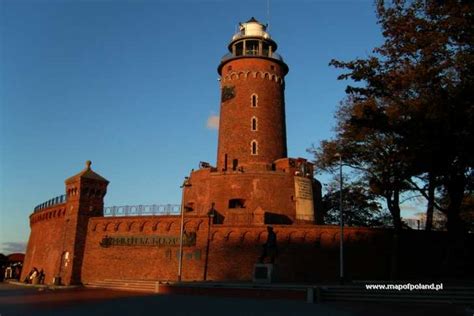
254, 182
252, 133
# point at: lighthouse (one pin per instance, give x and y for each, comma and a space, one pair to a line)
252, 132
253, 182
225, 205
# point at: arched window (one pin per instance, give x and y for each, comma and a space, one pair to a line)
254, 100
254, 147
254, 124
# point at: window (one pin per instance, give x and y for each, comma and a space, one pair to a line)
235, 164
239, 47
237, 203
229, 68
265, 50
254, 146
228, 92
272, 67
189, 207
254, 124
254, 100
251, 48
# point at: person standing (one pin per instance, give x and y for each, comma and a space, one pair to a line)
270, 248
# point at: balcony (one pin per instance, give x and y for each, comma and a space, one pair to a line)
252, 53
242, 34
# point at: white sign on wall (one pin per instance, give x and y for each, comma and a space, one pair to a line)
304, 199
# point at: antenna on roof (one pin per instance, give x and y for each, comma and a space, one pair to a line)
268, 15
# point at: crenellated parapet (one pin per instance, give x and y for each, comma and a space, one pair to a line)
53, 212
143, 224
292, 235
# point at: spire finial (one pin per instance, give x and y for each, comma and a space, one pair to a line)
88, 164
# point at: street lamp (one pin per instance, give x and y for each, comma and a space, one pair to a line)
341, 222
180, 261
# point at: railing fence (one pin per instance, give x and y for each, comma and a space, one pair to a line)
143, 210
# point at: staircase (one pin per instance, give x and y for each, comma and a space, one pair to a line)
126, 285
450, 295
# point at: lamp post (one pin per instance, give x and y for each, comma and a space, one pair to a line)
341, 222
210, 215
180, 259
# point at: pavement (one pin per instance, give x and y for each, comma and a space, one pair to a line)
42, 286
25, 301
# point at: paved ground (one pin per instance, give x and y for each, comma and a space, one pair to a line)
21, 301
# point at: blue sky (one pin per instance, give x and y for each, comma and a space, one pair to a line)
131, 86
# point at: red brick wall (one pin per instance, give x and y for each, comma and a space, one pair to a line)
306, 253
45, 242
142, 262
272, 191
62, 229
87, 202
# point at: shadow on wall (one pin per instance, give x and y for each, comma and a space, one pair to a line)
294, 263
366, 257
277, 219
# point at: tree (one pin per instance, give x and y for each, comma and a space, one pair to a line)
375, 156
411, 113
360, 207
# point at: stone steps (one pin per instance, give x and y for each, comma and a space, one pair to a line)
128, 285
451, 295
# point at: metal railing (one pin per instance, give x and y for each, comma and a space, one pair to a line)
54, 201
143, 210
231, 56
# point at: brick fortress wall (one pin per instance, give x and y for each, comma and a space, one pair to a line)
307, 253
256, 190
59, 230
48, 228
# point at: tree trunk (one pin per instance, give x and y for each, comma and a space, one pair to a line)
393, 205
455, 188
454, 255
430, 206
